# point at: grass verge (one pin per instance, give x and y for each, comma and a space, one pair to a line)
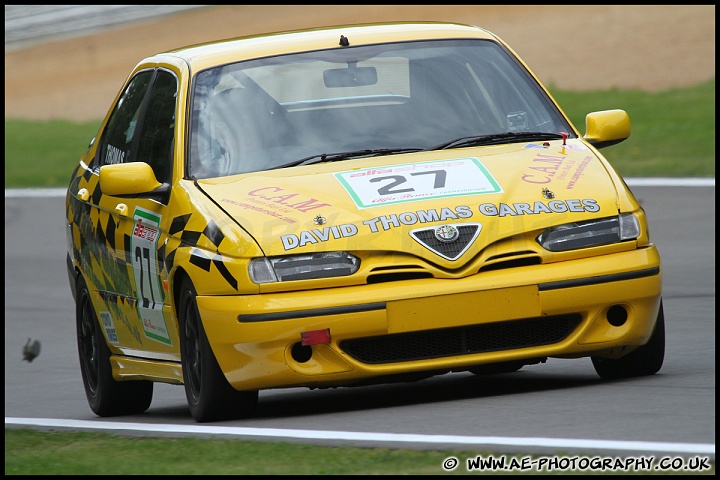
29, 452
673, 135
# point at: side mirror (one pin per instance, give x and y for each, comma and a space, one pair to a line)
128, 179
606, 128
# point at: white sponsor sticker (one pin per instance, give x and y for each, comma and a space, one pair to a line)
147, 278
373, 187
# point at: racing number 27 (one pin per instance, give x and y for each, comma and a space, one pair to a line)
396, 180
140, 254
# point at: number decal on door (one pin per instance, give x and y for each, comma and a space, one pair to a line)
142, 258
144, 240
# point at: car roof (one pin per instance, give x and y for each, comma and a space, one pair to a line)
206, 55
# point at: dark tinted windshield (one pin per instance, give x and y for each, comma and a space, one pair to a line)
260, 114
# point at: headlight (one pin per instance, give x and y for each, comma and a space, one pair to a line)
303, 267
571, 236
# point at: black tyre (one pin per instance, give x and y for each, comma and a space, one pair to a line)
209, 395
646, 360
106, 396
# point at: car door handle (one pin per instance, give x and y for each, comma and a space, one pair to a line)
83, 194
121, 209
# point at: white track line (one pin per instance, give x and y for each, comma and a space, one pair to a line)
561, 443
639, 182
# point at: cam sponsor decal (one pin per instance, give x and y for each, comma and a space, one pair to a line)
548, 168
143, 250
394, 184
578, 172
267, 210
277, 202
544, 168
288, 199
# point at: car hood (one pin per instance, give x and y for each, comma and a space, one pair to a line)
396, 203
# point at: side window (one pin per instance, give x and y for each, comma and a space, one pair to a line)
157, 129
120, 131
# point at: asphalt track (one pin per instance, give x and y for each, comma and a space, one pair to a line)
561, 406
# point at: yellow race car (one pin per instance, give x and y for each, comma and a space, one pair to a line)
348, 205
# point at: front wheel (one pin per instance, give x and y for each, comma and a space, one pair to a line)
106, 396
646, 360
209, 395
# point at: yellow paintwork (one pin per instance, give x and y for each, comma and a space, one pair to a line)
251, 354
522, 173
128, 179
610, 125
271, 213
217, 53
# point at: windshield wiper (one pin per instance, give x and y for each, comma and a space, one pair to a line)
495, 138
331, 157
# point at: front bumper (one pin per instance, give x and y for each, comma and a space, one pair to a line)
601, 306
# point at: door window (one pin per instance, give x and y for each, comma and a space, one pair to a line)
157, 131
120, 131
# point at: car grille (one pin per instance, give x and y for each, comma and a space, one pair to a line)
451, 251
493, 337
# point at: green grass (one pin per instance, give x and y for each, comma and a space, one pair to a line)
673, 135
30, 452
673, 132
43, 154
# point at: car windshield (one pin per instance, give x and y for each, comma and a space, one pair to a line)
352, 102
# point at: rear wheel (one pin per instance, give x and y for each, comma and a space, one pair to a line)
209, 395
646, 360
106, 396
